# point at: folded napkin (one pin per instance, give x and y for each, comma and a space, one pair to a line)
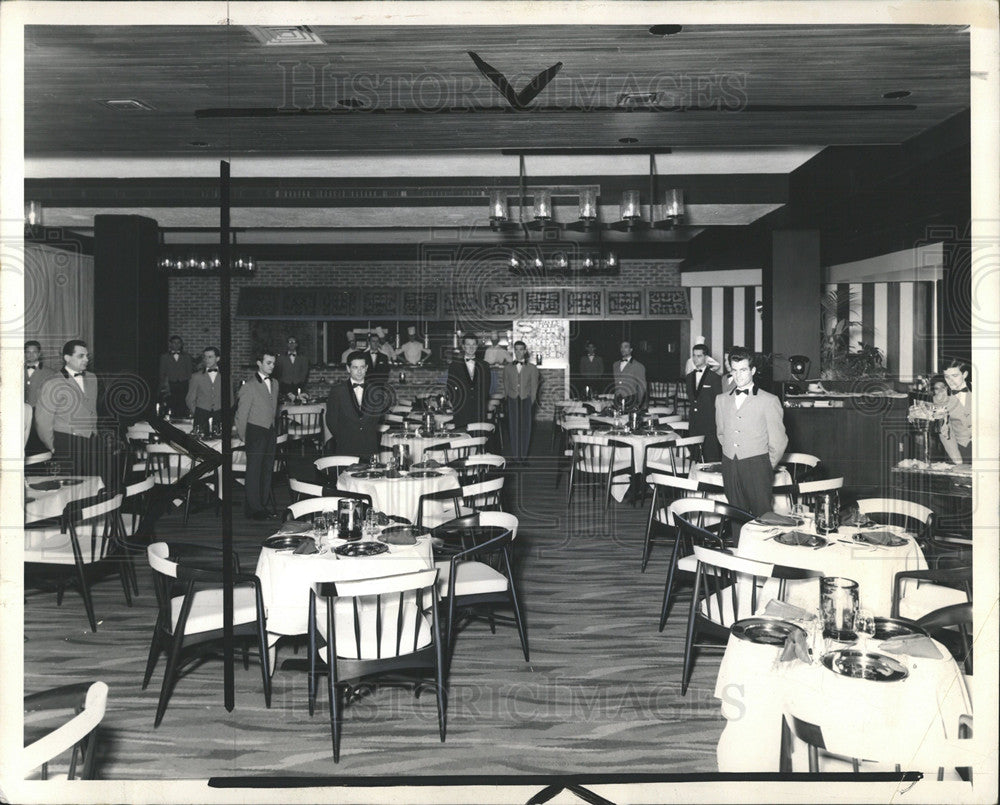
772, 518
430, 464
356, 467
782, 609
913, 645
295, 527
880, 537
796, 648
393, 474
307, 547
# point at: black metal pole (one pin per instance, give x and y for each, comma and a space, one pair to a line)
225, 338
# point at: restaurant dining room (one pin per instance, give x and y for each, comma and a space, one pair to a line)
499, 402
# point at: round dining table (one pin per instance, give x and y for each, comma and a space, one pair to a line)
400, 494
286, 578
45, 496
637, 440
907, 721
872, 566
419, 442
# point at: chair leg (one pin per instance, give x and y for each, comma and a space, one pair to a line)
669, 585
154, 654
169, 677
312, 660
262, 650
572, 477
123, 574
512, 593
332, 686
187, 507
88, 604
647, 545
442, 699
246, 656
689, 644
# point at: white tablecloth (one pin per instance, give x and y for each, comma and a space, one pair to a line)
873, 568
418, 443
890, 722
399, 496
286, 578
50, 503
638, 442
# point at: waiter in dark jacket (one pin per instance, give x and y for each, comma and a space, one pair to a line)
204, 397
352, 414
703, 386
176, 368
469, 384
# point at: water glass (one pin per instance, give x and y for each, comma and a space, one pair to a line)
864, 626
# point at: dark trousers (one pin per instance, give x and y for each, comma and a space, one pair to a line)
749, 483
176, 400
202, 415
260, 446
710, 450
965, 452
519, 426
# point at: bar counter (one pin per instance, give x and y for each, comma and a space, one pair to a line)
431, 379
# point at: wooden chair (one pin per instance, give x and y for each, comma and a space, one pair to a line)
478, 574
167, 465
320, 504
188, 582
90, 542
134, 527
83, 706
680, 455
593, 456
916, 593
911, 516
716, 602
305, 424
952, 626
712, 522
373, 627
478, 467
465, 447
332, 466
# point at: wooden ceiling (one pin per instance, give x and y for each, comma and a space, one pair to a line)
757, 100
403, 89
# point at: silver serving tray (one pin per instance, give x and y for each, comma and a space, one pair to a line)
765, 631
888, 628
800, 538
284, 542
869, 666
366, 548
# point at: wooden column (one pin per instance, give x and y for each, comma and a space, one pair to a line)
130, 306
792, 313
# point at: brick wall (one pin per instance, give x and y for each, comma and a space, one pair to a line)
194, 301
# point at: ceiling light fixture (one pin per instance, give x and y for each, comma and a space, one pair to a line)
665, 30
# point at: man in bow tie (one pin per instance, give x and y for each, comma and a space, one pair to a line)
204, 395
256, 409
292, 369
957, 437
469, 384
750, 427
630, 376
66, 412
520, 385
176, 368
35, 375
703, 386
592, 369
353, 414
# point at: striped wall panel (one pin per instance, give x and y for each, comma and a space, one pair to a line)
726, 317
897, 317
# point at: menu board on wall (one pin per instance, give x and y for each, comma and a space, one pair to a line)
548, 338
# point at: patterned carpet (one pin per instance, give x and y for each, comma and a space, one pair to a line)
601, 693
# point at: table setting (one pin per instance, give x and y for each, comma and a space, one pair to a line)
419, 439
46, 497
883, 691
397, 491
303, 552
869, 553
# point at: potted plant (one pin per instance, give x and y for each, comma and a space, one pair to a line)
837, 362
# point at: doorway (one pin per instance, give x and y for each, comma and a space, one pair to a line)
655, 344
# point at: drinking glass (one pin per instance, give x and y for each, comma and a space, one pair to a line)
864, 626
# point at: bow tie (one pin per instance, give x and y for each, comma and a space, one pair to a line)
519, 363
31, 366
743, 391
357, 385
210, 371
79, 374
699, 371
953, 392
174, 353
291, 354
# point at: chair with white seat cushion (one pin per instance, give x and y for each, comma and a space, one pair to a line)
372, 627
481, 565
594, 458
916, 593
332, 466
189, 590
90, 540
718, 600
83, 706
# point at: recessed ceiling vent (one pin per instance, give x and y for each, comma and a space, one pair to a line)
127, 105
284, 35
